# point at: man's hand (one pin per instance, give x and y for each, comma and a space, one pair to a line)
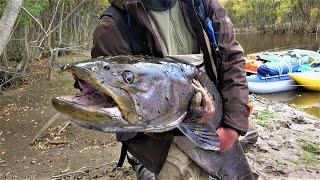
207, 102
227, 137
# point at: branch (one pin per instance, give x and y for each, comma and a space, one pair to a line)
79, 171
14, 77
74, 10
45, 127
36, 20
8, 71
70, 47
54, 16
63, 128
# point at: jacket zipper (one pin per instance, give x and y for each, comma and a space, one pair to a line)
178, 38
158, 37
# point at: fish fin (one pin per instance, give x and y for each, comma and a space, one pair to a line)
201, 134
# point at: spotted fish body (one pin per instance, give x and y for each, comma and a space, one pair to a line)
139, 94
151, 95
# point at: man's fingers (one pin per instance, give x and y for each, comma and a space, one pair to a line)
207, 101
197, 88
197, 83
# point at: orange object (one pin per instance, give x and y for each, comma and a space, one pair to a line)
252, 63
250, 105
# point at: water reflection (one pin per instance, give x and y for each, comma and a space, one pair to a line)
256, 42
307, 100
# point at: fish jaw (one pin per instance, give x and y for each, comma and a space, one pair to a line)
79, 113
108, 119
122, 99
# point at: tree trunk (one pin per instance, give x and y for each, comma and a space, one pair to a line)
7, 21
27, 56
60, 29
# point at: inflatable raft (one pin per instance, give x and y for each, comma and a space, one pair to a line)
273, 77
300, 55
308, 60
263, 85
308, 80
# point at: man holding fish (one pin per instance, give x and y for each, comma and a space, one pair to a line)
182, 30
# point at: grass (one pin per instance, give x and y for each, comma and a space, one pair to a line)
265, 119
310, 156
280, 166
311, 148
295, 161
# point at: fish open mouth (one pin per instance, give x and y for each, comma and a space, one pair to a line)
90, 106
91, 97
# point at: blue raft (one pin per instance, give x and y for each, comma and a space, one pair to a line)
273, 77
262, 85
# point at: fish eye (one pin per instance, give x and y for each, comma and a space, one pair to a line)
128, 77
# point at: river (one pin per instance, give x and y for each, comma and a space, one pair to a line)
306, 100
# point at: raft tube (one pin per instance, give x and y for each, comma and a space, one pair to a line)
263, 85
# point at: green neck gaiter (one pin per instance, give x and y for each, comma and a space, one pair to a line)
159, 5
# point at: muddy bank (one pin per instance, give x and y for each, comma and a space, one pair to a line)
24, 111
288, 145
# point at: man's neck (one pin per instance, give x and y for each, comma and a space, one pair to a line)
159, 5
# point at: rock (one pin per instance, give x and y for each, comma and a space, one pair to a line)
310, 127
272, 170
263, 146
264, 135
297, 127
284, 124
291, 139
311, 120
274, 145
299, 120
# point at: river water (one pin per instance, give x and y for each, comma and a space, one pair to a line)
304, 99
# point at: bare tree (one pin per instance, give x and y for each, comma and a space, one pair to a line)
7, 21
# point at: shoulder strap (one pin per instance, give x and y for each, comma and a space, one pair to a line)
204, 13
117, 16
124, 22
123, 154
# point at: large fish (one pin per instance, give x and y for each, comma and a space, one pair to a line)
152, 95
140, 94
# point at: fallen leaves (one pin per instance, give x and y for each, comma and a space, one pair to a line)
8, 109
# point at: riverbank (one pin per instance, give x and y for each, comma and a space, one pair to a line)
282, 30
287, 147
289, 141
24, 111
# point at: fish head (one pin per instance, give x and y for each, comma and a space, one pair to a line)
129, 94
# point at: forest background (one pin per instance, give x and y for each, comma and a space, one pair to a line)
46, 29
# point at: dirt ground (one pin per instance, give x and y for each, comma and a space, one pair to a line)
26, 110
287, 148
